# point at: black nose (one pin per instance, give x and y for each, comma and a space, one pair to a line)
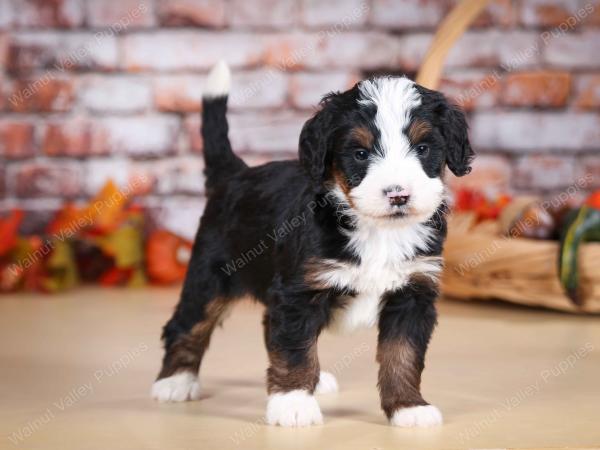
396, 195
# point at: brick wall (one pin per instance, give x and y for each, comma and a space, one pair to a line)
93, 89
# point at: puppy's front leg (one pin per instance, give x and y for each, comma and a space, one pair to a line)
291, 332
406, 322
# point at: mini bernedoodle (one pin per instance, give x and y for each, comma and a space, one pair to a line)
350, 235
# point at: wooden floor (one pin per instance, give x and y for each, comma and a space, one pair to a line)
76, 370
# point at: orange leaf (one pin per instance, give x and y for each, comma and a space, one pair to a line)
594, 200
8, 230
69, 220
105, 210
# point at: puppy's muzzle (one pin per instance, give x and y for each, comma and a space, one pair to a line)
396, 195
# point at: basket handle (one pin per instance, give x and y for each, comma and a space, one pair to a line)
452, 27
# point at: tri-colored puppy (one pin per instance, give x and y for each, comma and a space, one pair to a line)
350, 235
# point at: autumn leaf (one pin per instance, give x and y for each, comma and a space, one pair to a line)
8, 231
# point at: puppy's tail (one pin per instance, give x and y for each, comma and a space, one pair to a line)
219, 160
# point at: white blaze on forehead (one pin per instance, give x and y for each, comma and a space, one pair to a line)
393, 163
394, 98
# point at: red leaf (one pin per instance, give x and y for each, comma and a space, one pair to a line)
8, 230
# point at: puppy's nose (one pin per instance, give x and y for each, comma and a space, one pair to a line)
396, 195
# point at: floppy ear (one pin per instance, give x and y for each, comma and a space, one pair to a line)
314, 144
454, 128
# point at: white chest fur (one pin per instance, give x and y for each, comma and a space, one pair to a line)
387, 261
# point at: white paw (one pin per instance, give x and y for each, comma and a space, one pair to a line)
417, 416
327, 383
293, 409
176, 388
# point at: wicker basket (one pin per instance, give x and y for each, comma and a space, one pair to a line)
481, 264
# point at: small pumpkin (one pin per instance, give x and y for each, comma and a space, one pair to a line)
582, 225
167, 257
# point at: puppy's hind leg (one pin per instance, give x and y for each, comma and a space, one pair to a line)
186, 337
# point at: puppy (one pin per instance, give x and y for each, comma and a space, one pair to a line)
350, 235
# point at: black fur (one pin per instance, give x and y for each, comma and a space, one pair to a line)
221, 162
262, 227
452, 125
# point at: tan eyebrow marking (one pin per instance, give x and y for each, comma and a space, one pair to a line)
418, 130
363, 136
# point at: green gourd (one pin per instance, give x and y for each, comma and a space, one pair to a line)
581, 225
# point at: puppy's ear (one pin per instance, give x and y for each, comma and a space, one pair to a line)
314, 146
454, 128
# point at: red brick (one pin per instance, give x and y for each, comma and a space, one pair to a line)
291, 51
317, 13
410, 51
250, 89
2, 92
351, 50
333, 47
37, 179
62, 51
178, 93
273, 132
491, 174
7, 14
492, 48
140, 136
589, 171
182, 175
116, 94
544, 172
553, 13
592, 19
579, 50
587, 91
403, 14
120, 15
3, 49
502, 13
205, 13
16, 139
131, 177
73, 137
267, 88
307, 89
2, 183
183, 49
99, 170
263, 13
544, 89
472, 89
193, 138
44, 94
178, 214
49, 14
535, 131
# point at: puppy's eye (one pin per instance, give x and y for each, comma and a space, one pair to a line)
422, 149
361, 154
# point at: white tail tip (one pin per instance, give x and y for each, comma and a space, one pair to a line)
218, 82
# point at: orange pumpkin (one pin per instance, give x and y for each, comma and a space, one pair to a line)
167, 257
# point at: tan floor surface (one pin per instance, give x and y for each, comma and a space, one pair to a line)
75, 373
